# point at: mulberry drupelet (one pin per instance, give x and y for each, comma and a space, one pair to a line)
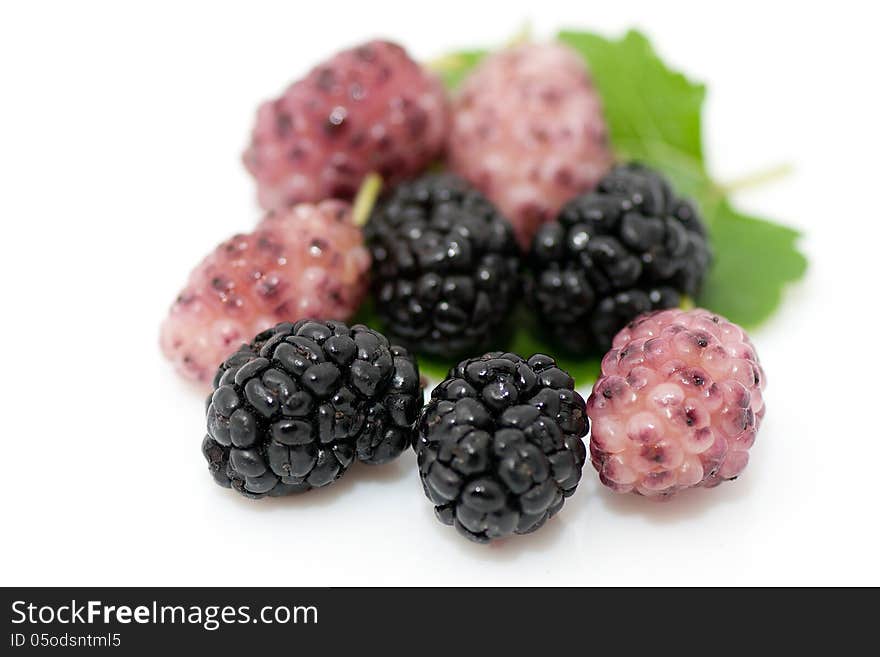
294, 408
499, 445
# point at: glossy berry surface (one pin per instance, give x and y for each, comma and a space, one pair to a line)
528, 131
367, 109
308, 261
627, 248
499, 445
678, 404
293, 409
445, 266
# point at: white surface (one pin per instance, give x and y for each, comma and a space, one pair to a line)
120, 134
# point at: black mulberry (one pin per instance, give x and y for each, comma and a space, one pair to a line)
445, 266
629, 247
293, 409
499, 445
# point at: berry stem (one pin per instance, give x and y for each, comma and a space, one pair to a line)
756, 179
523, 35
366, 198
445, 63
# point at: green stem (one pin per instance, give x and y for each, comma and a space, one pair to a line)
445, 63
756, 179
366, 198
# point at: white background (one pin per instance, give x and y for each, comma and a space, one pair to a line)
121, 127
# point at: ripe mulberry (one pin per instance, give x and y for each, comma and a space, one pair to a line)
499, 445
293, 409
445, 266
629, 247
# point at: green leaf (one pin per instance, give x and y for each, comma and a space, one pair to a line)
654, 115
754, 259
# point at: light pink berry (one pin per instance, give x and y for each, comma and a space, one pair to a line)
528, 131
368, 109
677, 405
306, 261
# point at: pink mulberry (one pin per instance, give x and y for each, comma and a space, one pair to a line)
307, 261
678, 404
528, 131
368, 109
